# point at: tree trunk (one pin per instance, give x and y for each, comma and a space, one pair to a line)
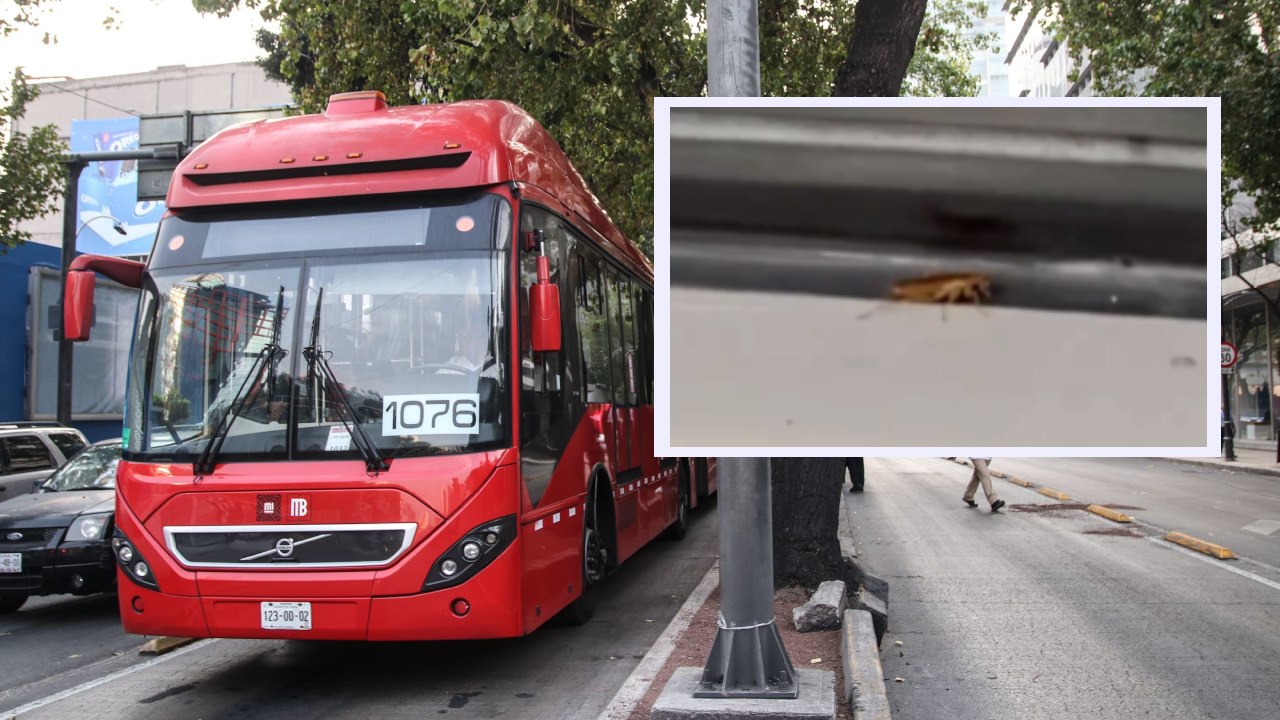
880, 48
806, 521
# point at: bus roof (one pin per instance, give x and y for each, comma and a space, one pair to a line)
360, 146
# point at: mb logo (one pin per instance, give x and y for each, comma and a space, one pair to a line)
272, 507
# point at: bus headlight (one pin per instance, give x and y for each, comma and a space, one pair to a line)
471, 553
135, 567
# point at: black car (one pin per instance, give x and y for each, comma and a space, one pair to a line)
57, 539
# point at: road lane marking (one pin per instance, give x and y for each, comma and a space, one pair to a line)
1263, 527
638, 683
37, 704
1230, 568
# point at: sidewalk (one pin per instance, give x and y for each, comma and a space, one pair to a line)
688, 639
1247, 460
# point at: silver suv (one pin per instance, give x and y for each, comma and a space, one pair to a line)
31, 451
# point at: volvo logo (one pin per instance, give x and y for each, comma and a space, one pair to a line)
284, 547
13, 536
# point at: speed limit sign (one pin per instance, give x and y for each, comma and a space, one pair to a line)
1229, 356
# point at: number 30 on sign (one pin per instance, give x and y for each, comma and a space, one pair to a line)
440, 414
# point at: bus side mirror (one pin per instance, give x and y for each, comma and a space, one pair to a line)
544, 311
77, 308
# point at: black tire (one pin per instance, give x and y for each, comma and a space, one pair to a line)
594, 566
680, 526
11, 603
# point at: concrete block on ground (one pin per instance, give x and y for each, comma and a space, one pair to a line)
863, 674
879, 613
817, 700
877, 587
824, 609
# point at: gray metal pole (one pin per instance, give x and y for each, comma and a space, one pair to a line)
748, 658
65, 347
733, 49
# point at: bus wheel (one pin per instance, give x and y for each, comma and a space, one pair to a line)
677, 529
594, 560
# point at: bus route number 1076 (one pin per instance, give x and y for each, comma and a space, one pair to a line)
438, 414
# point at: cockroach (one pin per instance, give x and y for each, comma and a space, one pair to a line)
951, 288
944, 289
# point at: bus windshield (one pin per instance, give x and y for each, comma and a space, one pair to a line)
279, 355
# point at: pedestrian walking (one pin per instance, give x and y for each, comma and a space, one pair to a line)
982, 474
857, 473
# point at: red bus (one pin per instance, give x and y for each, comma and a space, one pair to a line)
392, 379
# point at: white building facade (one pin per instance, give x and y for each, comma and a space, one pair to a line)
175, 89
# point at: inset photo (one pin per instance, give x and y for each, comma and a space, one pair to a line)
900, 276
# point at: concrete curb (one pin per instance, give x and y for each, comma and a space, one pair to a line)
637, 683
1199, 545
1257, 470
863, 674
816, 700
1109, 514
1056, 495
162, 645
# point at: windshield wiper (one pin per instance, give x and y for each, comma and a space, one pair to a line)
373, 460
266, 359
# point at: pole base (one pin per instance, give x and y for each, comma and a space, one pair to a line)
748, 662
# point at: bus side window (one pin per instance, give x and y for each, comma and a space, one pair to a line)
593, 328
617, 361
630, 363
646, 321
541, 392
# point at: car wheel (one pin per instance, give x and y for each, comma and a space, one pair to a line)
11, 603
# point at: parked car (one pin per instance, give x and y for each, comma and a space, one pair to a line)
58, 539
31, 451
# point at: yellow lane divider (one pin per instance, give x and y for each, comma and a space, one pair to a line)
1199, 545
162, 645
1109, 514
1054, 494
1020, 481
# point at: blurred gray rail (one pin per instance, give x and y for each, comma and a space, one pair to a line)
1085, 209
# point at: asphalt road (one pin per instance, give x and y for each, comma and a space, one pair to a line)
1040, 613
561, 672
1235, 508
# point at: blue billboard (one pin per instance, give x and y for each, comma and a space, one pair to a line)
111, 189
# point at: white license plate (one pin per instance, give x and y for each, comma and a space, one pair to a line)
10, 562
286, 616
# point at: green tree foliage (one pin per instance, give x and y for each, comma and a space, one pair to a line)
31, 173
1193, 48
587, 70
